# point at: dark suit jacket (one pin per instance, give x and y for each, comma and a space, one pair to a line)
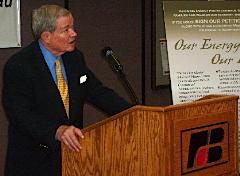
35, 110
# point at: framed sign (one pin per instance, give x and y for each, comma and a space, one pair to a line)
10, 24
160, 67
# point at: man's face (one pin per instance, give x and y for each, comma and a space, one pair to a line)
63, 38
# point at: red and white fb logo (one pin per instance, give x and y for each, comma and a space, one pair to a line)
207, 146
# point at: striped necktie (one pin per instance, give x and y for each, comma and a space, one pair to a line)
62, 85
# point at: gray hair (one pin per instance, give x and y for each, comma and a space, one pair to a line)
44, 18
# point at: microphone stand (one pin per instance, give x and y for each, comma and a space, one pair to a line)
119, 70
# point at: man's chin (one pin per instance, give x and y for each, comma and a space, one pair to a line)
71, 48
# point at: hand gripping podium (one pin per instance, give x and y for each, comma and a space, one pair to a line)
191, 139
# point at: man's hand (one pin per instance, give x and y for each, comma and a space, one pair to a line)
70, 135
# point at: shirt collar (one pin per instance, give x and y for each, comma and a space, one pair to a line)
48, 55
50, 59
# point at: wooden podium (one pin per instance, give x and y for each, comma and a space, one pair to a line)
198, 138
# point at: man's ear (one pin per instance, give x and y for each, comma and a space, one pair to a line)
45, 37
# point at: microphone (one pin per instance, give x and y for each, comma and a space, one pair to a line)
112, 59
108, 53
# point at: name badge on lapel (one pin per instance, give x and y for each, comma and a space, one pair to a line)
83, 79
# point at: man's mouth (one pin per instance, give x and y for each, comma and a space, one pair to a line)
72, 42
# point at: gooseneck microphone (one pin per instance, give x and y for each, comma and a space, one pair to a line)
107, 52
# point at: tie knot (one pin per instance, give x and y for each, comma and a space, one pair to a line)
58, 62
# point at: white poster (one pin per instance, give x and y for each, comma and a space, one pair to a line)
10, 23
203, 40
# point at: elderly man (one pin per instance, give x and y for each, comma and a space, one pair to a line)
45, 87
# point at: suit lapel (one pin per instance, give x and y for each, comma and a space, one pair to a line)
71, 76
46, 80
76, 91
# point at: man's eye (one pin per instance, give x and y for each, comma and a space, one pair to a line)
65, 30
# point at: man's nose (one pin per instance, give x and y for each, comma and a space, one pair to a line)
73, 33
